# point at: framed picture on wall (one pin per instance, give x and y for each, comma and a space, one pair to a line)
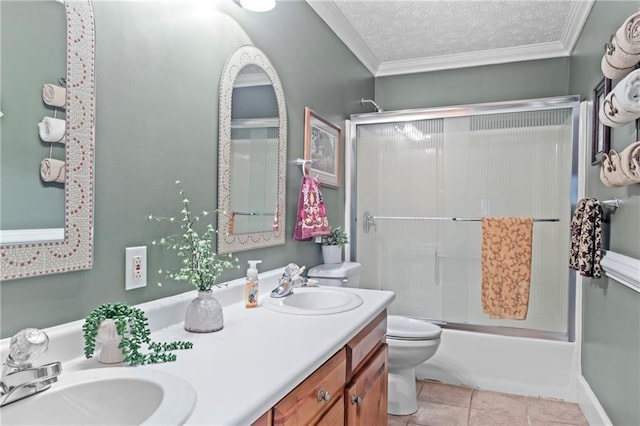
600, 133
322, 145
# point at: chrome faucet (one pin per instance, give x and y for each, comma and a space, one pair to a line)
290, 279
19, 377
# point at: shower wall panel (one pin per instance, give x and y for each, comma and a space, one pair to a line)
416, 174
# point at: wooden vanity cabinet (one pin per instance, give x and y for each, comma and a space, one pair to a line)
349, 389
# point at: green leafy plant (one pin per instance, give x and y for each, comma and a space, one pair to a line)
132, 325
338, 237
201, 265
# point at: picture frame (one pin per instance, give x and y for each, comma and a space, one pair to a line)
323, 147
601, 134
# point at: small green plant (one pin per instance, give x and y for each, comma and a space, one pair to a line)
132, 325
201, 265
338, 237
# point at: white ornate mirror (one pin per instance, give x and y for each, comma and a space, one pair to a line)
75, 252
252, 153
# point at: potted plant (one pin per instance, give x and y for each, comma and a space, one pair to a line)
123, 331
332, 245
201, 266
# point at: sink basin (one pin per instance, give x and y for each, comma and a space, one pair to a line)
314, 301
106, 396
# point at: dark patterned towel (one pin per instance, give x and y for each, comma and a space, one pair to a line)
586, 238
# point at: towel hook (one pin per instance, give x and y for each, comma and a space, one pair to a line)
610, 46
303, 164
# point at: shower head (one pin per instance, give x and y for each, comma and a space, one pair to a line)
369, 101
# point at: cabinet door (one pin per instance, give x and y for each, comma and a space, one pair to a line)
366, 395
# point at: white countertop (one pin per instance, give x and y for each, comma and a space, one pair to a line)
258, 357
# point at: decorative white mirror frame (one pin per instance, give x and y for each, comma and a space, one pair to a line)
75, 252
227, 242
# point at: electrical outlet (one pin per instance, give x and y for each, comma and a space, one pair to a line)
135, 267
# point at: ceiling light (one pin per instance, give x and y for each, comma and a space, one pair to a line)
258, 5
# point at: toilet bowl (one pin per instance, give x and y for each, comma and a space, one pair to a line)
411, 341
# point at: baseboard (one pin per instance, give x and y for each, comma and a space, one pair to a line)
591, 408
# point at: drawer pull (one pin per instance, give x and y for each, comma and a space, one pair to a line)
323, 396
356, 399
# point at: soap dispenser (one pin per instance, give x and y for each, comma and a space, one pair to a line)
251, 286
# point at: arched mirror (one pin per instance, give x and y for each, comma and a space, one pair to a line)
37, 253
252, 153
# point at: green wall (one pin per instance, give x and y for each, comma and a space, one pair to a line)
490, 83
158, 65
611, 312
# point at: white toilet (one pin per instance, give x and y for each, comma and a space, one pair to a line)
411, 341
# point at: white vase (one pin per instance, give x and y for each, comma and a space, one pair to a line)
332, 254
110, 339
204, 314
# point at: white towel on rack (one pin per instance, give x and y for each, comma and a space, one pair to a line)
622, 105
611, 71
628, 34
52, 129
630, 162
52, 170
54, 95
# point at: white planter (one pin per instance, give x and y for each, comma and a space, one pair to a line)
110, 339
204, 314
332, 254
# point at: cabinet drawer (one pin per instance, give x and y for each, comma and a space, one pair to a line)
304, 405
362, 346
334, 416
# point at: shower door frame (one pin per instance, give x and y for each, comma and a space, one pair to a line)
560, 102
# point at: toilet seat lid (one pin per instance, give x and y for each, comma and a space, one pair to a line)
411, 328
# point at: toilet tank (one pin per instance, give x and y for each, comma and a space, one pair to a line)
346, 274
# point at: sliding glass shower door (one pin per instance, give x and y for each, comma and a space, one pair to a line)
415, 177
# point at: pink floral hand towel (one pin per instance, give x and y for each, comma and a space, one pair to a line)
311, 220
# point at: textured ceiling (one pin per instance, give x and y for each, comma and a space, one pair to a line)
402, 36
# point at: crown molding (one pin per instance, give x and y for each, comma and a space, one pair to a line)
473, 59
335, 19
578, 15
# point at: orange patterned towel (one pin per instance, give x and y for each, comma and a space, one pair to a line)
506, 266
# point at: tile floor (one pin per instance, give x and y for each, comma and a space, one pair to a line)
441, 404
